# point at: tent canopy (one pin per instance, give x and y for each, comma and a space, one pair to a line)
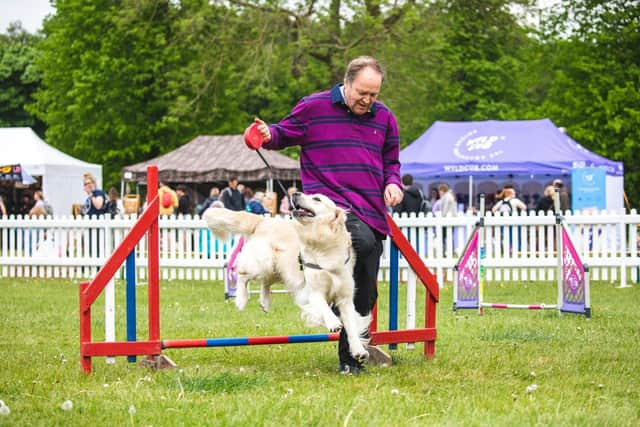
525, 147
61, 174
216, 158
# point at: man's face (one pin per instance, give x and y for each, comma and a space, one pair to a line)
363, 91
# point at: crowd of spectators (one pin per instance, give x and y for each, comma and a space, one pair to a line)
236, 196
441, 199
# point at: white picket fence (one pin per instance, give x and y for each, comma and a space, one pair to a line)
519, 248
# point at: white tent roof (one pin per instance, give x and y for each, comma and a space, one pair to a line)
24, 146
61, 174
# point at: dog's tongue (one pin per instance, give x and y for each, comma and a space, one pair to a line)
302, 212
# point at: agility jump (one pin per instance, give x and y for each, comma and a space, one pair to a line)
152, 348
572, 274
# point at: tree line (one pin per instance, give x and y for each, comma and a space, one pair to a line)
118, 81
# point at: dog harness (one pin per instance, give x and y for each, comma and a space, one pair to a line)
313, 266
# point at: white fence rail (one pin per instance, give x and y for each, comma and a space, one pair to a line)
519, 248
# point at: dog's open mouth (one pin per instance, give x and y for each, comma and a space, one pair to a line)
301, 212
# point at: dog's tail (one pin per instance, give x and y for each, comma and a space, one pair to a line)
223, 222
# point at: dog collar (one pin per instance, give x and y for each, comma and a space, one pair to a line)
311, 265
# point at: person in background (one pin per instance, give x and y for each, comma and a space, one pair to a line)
433, 196
446, 203
184, 201
3, 207
545, 203
214, 194
95, 204
168, 200
565, 203
24, 205
255, 202
285, 203
361, 173
446, 206
232, 197
241, 188
40, 208
114, 204
413, 197
508, 202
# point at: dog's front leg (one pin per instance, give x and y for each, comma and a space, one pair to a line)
320, 306
349, 317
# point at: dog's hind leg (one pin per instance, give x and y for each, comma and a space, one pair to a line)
242, 292
349, 317
265, 297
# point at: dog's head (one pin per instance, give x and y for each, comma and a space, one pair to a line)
318, 209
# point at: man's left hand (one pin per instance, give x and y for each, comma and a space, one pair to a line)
392, 195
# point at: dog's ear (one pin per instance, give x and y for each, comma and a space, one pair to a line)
339, 220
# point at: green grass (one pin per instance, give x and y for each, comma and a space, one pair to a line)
587, 371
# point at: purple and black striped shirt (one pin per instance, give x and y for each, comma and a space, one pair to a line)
348, 158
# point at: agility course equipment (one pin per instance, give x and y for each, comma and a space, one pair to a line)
572, 274
147, 225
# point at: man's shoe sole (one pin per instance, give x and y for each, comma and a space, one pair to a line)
377, 356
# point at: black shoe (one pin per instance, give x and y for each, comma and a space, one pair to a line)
346, 369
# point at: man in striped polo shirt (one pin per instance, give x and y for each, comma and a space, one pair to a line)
349, 152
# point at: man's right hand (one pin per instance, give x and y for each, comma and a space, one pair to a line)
264, 129
256, 134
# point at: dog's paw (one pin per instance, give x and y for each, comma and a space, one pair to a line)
335, 328
332, 322
265, 304
360, 355
241, 302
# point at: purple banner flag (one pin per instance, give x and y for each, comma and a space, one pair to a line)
573, 277
468, 274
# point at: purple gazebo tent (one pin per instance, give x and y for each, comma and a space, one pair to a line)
502, 151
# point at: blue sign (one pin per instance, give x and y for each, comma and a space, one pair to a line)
588, 189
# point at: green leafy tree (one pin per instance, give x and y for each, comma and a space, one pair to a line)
595, 91
417, 85
104, 87
487, 51
122, 81
19, 79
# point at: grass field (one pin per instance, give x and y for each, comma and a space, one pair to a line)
585, 372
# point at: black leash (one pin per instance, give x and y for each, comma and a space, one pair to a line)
286, 194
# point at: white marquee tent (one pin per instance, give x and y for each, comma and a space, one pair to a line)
61, 174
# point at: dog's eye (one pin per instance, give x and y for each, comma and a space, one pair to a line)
317, 199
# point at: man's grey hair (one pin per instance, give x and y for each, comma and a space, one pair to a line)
360, 63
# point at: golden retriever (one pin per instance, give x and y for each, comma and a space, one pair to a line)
274, 248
